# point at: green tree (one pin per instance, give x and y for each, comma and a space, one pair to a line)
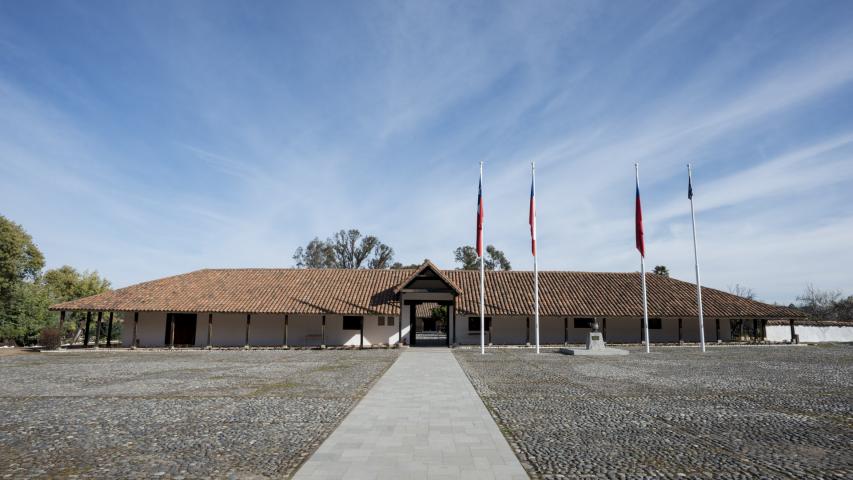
661, 270
22, 304
494, 258
345, 249
66, 283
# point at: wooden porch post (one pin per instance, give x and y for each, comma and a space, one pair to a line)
527, 332
793, 331
98, 330
88, 324
642, 333
61, 321
718, 329
400, 324
323, 341
413, 324
680, 336
565, 331
135, 324
361, 334
754, 329
451, 320
110, 331
490, 331
209, 330
248, 325
604, 329
285, 331
170, 320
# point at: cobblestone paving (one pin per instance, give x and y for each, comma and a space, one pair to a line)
187, 414
735, 412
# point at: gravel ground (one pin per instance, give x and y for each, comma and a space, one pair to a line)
734, 412
183, 414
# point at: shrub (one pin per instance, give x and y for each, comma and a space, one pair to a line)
50, 338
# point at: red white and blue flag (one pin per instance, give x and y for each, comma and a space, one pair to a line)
532, 219
638, 219
480, 217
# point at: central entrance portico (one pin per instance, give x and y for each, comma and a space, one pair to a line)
428, 285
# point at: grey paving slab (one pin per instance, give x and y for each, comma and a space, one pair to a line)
422, 419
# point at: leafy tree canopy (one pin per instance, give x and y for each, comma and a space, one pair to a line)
345, 249
661, 270
494, 258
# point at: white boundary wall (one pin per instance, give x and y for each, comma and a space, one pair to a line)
809, 333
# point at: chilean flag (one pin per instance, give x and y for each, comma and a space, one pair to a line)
480, 217
532, 219
638, 219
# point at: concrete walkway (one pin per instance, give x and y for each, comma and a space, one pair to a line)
422, 419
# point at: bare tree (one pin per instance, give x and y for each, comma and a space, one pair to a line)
742, 291
822, 304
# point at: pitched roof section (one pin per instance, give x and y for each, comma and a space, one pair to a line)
365, 292
427, 265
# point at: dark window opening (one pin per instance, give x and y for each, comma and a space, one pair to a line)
474, 324
655, 324
390, 321
583, 322
352, 322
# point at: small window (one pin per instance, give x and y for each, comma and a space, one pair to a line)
381, 321
655, 324
583, 323
389, 321
352, 323
474, 323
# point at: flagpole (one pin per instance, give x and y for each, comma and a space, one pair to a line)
696, 261
535, 263
643, 277
482, 286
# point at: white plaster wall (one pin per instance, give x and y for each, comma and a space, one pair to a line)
267, 330
305, 330
810, 333
201, 329
151, 331
505, 331
622, 330
229, 330
374, 334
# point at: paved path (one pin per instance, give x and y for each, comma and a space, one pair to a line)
422, 419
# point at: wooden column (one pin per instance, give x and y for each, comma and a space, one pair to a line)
110, 331
527, 333
717, 321
449, 313
86, 333
642, 332
680, 336
323, 333
604, 329
452, 321
135, 325
285, 331
361, 334
170, 320
793, 331
763, 329
61, 321
210, 330
98, 330
754, 330
400, 324
248, 325
565, 331
490, 332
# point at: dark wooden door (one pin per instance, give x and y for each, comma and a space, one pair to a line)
184, 325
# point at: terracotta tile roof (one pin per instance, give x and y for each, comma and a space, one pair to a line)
363, 292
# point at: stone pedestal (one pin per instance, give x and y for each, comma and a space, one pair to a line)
594, 346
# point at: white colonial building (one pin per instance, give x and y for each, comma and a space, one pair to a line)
332, 307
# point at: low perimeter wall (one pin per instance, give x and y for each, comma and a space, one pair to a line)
810, 333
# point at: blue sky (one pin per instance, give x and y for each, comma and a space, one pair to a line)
144, 139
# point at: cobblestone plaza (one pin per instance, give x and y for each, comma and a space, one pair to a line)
734, 412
